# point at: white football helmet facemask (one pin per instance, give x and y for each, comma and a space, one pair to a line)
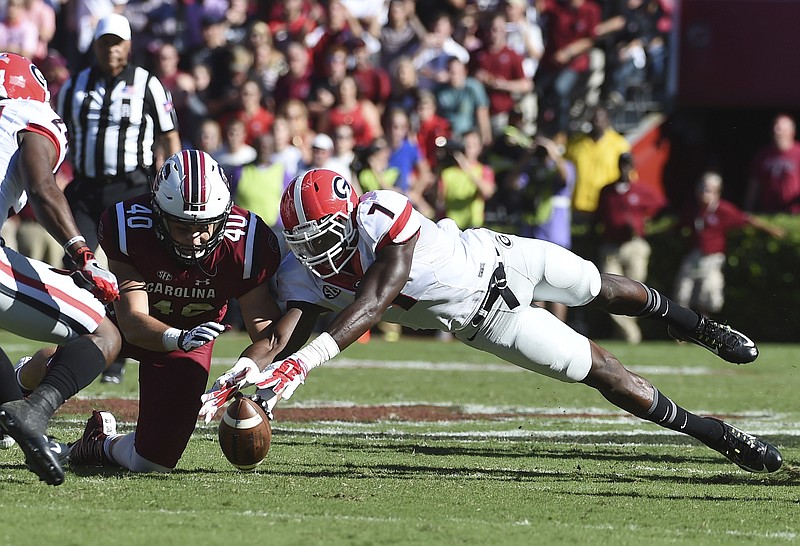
191, 188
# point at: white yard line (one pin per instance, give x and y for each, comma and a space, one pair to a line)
335, 428
349, 363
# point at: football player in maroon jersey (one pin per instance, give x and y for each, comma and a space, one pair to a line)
180, 253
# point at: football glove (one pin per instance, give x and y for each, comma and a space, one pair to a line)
92, 276
226, 386
265, 405
281, 379
200, 335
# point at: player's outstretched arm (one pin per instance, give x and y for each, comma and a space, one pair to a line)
34, 164
381, 285
288, 335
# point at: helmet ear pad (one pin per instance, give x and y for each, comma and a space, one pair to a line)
191, 188
317, 210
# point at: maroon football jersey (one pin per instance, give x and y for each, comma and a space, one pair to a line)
184, 296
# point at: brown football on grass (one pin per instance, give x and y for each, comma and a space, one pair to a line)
245, 434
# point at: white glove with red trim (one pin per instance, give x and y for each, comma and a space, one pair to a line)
226, 386
281, 379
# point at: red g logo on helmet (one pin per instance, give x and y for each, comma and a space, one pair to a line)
341, 188
317, 214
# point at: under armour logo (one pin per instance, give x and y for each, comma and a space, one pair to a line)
202, 282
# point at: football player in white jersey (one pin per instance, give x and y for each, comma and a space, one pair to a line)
36, 301
375, 258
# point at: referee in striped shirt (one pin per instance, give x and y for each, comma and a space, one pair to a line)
116, 113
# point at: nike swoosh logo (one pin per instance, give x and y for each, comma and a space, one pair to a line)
711, 348
56, 448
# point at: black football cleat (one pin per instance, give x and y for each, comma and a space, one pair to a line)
60, 450
747, 451
88, 451
14, 418
722, 340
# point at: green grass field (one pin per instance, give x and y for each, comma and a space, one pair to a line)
516, 459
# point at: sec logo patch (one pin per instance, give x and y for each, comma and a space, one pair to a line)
330, 292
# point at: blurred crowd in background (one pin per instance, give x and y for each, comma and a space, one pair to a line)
392, 93
507, 112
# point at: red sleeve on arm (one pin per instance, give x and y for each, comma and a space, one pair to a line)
397, 228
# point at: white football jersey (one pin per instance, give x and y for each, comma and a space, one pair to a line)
450, 271
18, 115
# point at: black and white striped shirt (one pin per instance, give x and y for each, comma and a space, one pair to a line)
113, 124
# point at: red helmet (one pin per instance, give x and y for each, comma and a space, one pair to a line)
21, 79
316, 210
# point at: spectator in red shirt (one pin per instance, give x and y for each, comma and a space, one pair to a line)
341, 28
291, 20
431, 127
352, 109
257, 119
373, 81
296, 83
18, 33
700, 279
499, 69
774, 185
624, 208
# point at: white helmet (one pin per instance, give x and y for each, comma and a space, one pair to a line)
191, 188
